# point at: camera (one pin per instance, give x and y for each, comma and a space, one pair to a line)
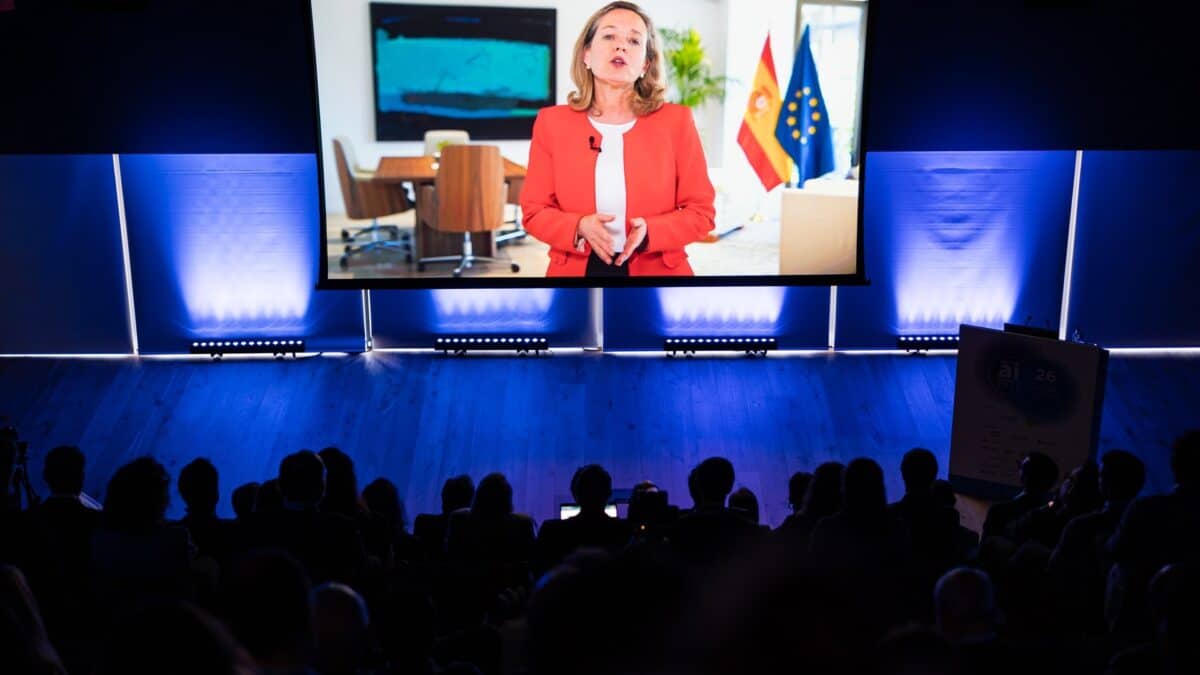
20, 467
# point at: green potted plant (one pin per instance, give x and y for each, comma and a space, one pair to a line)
689, 71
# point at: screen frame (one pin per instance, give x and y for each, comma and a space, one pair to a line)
485, 128
858, 278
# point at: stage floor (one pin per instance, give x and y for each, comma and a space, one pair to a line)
418, 418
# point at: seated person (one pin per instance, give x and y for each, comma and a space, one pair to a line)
822, 499
1155, 532
1038, 475
591, 486
57, 537
1080, 562
932, 526
430, 529
136, 557
490, 531
1078, 495
650, 516
200, 490
797, 487
328, 545
712, 532
744, 502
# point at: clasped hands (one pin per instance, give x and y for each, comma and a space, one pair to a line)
592, 229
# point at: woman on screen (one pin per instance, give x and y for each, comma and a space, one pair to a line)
617, 182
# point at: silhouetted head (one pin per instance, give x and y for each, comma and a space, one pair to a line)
383, 499
494, 497
267, 604
647, 505
1081, 489
198, 486
715, 477
744, 502
797, 488
591, 486
269, 498
1122, 475
457, 493
341, 483
302, 478
824, 496
137, 495
863, 487
63, 470
1185, 460
919, 469
340, 623
245, 499
173, 638
1039, 473
965, 605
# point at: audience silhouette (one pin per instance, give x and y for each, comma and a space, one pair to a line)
316, 576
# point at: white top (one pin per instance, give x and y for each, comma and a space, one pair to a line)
610, 177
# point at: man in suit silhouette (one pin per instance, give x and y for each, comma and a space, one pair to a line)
591, 486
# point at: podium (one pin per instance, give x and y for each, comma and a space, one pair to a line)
1016, 394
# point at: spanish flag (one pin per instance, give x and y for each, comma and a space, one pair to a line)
757, 134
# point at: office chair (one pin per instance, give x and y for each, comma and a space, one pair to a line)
365, 198
436, 139
468, 196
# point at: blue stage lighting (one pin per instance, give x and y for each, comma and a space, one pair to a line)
461, 345
920, 343
219, 348
754, 346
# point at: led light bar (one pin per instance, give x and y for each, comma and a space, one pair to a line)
692, 345
920, 343
258, 345
460, 344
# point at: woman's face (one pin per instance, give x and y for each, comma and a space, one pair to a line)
617, 54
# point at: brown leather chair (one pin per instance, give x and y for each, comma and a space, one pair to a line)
468, 196
365, 198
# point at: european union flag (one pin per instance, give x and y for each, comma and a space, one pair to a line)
803, 127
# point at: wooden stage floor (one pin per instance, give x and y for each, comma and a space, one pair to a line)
418, 418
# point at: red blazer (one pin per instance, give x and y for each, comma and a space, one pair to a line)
666, 182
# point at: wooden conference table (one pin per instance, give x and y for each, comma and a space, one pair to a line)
428, 242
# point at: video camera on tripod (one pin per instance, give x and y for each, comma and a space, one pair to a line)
20, 470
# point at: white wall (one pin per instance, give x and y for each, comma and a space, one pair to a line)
746, 27
342, 30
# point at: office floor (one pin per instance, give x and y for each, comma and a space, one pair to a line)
751, 250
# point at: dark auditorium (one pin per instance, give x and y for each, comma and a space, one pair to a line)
551, 337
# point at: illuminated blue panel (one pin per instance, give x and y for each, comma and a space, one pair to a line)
61, 268
225, 245
1137, 240
414, 318
959, 237
639, 318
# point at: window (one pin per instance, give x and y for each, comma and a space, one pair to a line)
837, 29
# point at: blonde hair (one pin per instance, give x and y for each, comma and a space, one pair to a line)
649, 92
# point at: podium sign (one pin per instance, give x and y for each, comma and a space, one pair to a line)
1015, 394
